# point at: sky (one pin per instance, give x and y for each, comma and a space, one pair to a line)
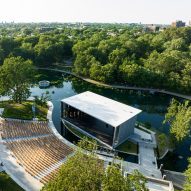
120, 11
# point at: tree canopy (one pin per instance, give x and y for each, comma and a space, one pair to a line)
15, 77
118, 54
179, 117
85, 171
187, 186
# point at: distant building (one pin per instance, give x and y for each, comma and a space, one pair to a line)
190, 23
178, 24
46, 29
151, 28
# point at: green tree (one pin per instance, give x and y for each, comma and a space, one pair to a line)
114, 180
179, 117
138, 181
86, 172
187, 186
162, 142
176, 44
166, 62
80, 172
15, 78
8, 45
186, 78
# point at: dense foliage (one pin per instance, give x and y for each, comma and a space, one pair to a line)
86, 172
134, 58
179, 118
79, 173
187, 186
16, 75
115, 181
108, 53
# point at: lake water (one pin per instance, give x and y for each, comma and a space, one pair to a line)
153, 106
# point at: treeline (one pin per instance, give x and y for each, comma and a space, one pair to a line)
46, 44
159, 60
110, 54
42, 48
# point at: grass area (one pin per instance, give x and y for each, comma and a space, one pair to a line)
7, 184
163, 143
23, 111
128, 147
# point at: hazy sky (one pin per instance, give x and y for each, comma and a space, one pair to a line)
145, 11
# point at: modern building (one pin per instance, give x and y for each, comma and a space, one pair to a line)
107, 121
178, 24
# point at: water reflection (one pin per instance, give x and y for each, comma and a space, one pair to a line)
153, 105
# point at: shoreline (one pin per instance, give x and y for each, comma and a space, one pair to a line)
153, 90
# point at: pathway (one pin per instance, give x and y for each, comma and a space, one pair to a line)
121, 86
148, 160
177, 178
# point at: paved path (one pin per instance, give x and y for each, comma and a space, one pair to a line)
121, 86
7, 98
17, 172
148, 160
177, 178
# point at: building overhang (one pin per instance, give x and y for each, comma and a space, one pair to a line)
104, 109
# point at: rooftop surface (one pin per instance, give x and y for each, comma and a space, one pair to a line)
107, 110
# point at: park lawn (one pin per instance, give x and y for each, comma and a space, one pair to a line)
128, 147
165, 144
23, 111
7, 184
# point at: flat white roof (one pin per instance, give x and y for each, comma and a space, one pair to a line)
107, 110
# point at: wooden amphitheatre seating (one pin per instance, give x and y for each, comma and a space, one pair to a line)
35, 154
38, 154
19, 129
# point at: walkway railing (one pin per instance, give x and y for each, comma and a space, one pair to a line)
121, 86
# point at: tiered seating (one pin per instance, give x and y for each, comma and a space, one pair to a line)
33, 149
19, 129
50, 176
36, 155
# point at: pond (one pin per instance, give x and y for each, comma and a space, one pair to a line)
153, 106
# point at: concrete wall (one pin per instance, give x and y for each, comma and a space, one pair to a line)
125, 130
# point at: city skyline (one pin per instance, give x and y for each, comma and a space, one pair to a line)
107, 11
